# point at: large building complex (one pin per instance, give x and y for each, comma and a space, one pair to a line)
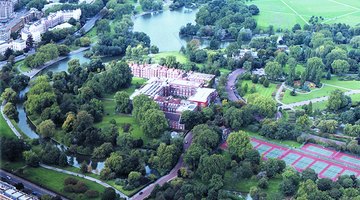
39, 27
174, 90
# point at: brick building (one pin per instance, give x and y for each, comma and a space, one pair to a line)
174, 90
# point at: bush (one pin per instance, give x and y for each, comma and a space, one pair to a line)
253, 128
70, 181
263, 183
91, 194
80, 187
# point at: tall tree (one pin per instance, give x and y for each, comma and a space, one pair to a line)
239, 143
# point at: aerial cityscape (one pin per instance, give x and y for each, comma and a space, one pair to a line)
174, 99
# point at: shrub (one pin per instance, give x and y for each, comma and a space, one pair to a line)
80, 187
91, 194
70, 181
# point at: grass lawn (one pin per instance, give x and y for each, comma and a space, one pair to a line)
21, 67
289, 143
5, 130
353, 85
260, 89
55, 181
49, 179
316, 93
286, 13
109, 108
244, 185
181, 58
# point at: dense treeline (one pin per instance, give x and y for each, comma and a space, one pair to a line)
221, 19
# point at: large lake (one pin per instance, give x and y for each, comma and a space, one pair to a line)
163, 27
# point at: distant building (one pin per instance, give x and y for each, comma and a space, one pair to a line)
243, 52
6, 10
43, 25
174, 90
259, 72
9, 192
16, 45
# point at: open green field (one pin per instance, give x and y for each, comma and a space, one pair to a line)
244, 185
49, 179
286, 13
260, 89
109, 108
351, 85
316, 93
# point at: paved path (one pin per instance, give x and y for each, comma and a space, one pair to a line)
173, 173
122, 195
232, 96
27, 184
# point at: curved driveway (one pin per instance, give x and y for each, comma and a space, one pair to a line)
231, 84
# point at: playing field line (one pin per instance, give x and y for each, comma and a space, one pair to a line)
301, 17
339, 17
344, 4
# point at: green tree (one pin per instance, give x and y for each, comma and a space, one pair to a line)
102, 151
337, 100
10, 111
134, 178
9, 95
265, 106
118, 76
108, 194
205, 136
122, 100
154, 123
31, 158
210, 165
46, 128
193, 154
273, 70
166, 157
239, 143
115, 163
340, 67
281, 58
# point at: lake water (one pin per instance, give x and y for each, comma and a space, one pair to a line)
163, 28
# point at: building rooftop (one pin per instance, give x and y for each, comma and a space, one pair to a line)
201, 94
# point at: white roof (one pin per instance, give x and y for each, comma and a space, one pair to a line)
201, 94
62, 26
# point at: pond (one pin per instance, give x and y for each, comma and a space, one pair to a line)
163, 27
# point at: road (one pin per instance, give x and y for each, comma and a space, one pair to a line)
231, 84
28, 185
122, 195
91, 23
170, 176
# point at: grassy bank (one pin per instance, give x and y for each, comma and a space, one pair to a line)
5, 130
49, 179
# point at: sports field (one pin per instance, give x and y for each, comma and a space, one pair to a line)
286, 13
